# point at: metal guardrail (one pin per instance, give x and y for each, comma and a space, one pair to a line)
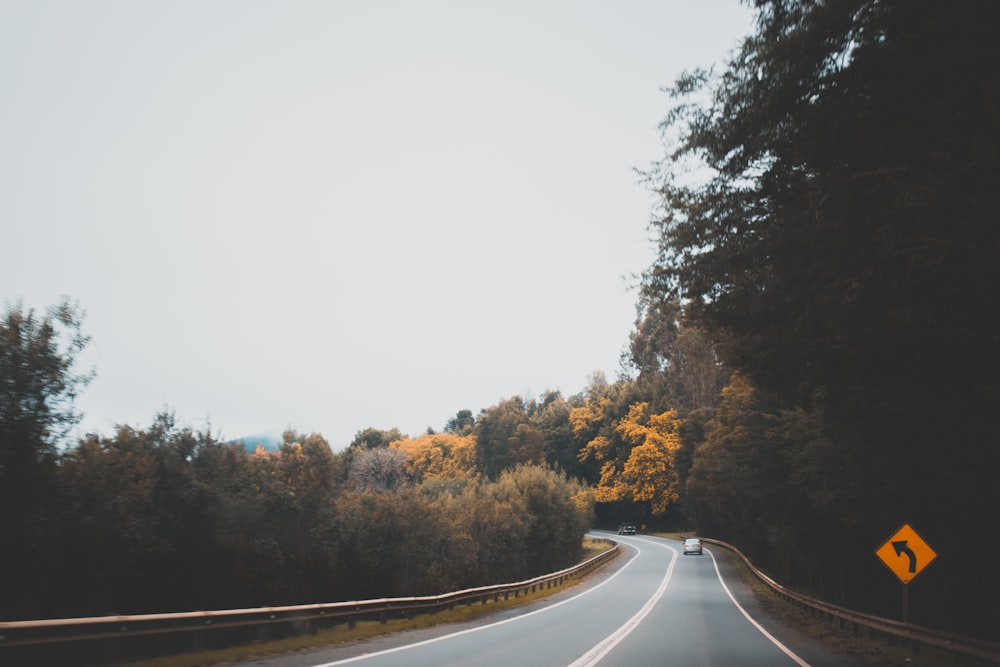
958, 645
102, 638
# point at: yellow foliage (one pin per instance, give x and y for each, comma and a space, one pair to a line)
640, 427
611, 487
439, 455
599, 449
590, 415
647, 472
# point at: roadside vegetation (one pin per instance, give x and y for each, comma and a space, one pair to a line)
814, 362
362, 630
875, 651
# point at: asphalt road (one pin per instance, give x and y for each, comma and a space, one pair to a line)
652, 606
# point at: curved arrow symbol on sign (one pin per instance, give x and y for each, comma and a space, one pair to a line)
902, 547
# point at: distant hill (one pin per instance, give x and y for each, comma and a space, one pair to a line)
270, 443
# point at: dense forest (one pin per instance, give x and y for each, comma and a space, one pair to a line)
814, 362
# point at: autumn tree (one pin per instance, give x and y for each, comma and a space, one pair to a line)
439, 456
638, 465
649, 472
593, 425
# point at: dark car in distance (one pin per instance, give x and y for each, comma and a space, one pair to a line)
626, 529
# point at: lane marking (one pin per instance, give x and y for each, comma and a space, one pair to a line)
596, 654
432, 640
784, 649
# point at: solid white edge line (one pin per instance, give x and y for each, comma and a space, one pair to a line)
596, 654
366, 656
784, 649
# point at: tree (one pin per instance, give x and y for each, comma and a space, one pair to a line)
649, 471
842, 241
497, 523
551, 419
675, 361
461, 424
828, 218
738, 477
594, 420
373, 438
308, 465
439, 456
558, 511
38, 383
379, 469
637, 464
501, 436
369, 438
651, 344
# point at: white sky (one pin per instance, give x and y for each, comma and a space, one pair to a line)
336, 215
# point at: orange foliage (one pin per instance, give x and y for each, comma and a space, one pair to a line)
439, 455
643, 472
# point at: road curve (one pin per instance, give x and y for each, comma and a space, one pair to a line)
653, 606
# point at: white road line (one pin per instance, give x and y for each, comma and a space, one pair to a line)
513, 619
594, 655
784, 649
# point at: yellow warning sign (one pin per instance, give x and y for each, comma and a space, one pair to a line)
906, 553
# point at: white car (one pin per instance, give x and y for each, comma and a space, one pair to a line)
692, 545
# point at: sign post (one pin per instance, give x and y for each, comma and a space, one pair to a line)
906, 554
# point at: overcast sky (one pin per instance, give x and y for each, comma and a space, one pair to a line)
335, 215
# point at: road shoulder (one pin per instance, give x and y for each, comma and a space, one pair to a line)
812, 649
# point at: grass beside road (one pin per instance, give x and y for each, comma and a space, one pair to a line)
342, 634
